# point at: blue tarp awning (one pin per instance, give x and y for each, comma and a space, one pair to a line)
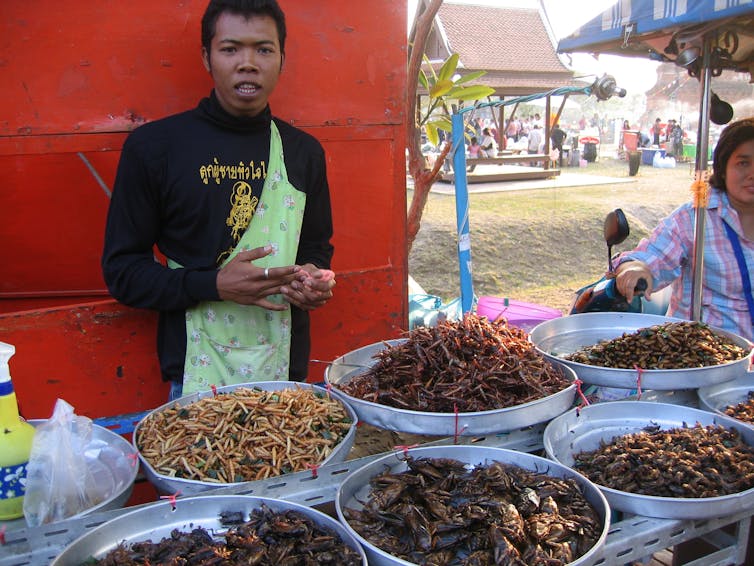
659, 29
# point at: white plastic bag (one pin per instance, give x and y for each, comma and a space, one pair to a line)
59, 483
663, 162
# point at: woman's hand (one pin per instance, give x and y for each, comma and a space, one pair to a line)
627, 278
244, 283
311, 288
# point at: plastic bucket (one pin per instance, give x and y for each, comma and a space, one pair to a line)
630, 140
590, 152
574, 157
648, 155
518, 313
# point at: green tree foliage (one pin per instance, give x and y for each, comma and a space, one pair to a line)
445, 88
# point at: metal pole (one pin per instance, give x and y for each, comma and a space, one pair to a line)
548, 126
702, 148
462, 213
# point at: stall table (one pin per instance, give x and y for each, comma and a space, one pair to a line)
630, 538
689, 151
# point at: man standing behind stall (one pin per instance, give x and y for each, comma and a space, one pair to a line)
238, 202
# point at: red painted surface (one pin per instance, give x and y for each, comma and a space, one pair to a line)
77, 79
97, 356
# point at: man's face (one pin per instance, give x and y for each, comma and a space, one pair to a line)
244, 62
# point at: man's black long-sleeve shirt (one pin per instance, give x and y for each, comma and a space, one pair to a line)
173, 190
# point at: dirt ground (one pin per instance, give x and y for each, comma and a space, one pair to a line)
541, 245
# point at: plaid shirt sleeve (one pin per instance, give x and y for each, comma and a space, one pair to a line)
669, 250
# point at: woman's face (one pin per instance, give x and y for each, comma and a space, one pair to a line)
739, 175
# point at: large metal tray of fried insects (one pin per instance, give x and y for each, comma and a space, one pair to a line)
348, 366
157, 521
166, 484
355, 489
716, 398
584, 429
562, 336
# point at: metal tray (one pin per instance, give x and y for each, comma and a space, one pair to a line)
584, 429
562, 336
355, 488
112, 461
717, 397
156, 522
168, 485
346, 367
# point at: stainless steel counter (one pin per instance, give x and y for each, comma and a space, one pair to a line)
630, 538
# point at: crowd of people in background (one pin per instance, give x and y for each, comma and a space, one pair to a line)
669, 136
526, 134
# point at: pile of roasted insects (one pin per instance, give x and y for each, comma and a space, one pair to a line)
285, 538
438, 512
467, 366
699, 461
245, 435
743, 411
672, 345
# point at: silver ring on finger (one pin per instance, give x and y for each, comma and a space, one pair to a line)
266, 272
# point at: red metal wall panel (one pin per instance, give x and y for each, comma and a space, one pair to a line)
51, 223
97, 356
86, 66
77, 77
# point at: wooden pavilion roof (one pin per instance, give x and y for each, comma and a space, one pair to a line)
515, 46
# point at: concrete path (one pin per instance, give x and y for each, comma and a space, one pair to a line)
569, 177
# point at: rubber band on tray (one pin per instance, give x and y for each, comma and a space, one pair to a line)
313, 468
328, 388
172, 498
700, 189
639, 373
580, 393
214, 390
457, 432
2, 534
133, 458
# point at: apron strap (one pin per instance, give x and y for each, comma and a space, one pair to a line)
741, 260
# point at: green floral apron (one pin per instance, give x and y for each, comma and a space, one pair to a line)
228, 343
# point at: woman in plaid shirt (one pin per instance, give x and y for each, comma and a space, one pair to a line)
665, 257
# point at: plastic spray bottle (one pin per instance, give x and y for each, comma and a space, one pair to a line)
16, 436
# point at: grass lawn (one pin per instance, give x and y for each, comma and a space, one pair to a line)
540, 245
